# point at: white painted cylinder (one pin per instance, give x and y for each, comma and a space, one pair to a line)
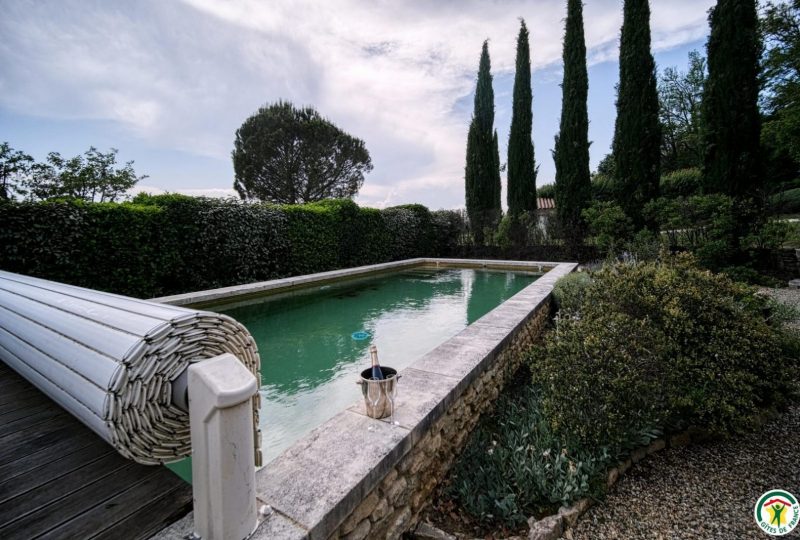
221, 391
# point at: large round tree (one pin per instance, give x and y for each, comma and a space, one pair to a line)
286, 155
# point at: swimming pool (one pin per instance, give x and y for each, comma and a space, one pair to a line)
314, 342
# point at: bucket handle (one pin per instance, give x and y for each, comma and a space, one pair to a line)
396, 377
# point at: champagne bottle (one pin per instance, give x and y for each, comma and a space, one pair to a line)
377, 374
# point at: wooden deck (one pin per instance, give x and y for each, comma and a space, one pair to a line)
58, 480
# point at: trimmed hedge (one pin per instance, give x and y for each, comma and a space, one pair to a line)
168, 244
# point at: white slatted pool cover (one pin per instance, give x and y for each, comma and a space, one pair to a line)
110, 360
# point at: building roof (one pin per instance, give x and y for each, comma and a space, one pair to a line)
545, 203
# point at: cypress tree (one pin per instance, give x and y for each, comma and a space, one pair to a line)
497, 189
573, 189
521, 163
730, 101
482, 171
637, 136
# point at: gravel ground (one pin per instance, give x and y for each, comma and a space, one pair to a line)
787, 296
701, 491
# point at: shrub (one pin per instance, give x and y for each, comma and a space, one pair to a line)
450, 232
604, 187
644, 246
711, 348
703, 224
167, 244
570, 290
771, 235
514, 466
547, 191
516, 231
608, 225
601, 375
412, 231
681, 183
786, 202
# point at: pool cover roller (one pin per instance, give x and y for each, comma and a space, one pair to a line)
111, 360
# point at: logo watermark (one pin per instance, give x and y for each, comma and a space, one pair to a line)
777, 512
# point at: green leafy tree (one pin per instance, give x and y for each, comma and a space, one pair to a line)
607, 166
14, 168
521, 162
681, 96
547, 191
730, 103
573, 188
780, 97
92, 176
286, 155
637, 137
482, 170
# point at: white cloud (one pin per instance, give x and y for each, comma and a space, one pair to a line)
184, 75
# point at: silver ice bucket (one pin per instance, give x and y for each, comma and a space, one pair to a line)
378, 395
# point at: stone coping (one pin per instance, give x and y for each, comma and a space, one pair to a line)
274, 286
312, 487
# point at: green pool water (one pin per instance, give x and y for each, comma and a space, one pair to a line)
310, 359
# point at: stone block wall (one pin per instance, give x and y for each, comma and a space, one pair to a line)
394, 506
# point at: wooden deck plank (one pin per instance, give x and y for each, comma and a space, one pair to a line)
51, 471
60, 479
71, 442
151, 518
116, 519
73, 508
19, 506
12, 416
37, 440
22, 436
17, 399
34, 419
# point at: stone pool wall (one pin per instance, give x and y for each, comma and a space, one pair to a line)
395, 504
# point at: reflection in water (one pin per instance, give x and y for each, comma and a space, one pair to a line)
310, 361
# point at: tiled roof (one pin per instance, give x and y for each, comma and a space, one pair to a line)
545, 204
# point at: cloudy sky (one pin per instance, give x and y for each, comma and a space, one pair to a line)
168, 82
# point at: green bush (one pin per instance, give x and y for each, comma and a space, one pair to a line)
514, 466
516, 231
547, 191
703, 224
412, 230
608, 225
450, 231
786, 202
698, 346
570, 290
604, 187
168, 244
601, 375
681, 183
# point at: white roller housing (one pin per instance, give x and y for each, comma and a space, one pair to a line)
110, 360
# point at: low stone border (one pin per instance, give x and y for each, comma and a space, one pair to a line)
560, 524
258, 290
